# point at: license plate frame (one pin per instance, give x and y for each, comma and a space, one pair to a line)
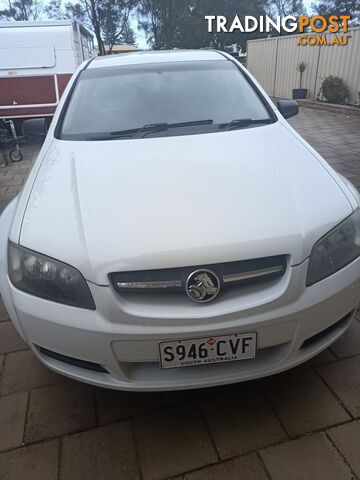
228, 345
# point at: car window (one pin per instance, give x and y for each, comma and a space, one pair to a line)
115, 99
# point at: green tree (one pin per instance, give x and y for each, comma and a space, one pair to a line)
114, 20
54, 10
21, 10
287, 7
70, 11
108, 19
182, 24
128, 35
283, 8
339, 7
160, 20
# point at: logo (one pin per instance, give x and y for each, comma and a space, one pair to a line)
313, 30
202, 286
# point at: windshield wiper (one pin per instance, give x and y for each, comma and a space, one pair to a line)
243, 123
147, 129
150, 128
155, 127
107, 136
129, 133
190, 123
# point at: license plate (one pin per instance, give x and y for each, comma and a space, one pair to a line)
207, 350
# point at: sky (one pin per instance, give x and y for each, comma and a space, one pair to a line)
140, 37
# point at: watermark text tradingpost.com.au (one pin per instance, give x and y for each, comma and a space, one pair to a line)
313, 26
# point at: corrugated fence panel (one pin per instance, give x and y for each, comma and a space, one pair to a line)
290, 54
273, 62
261, 61
343, 62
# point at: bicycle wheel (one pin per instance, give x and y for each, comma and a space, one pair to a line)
15, 155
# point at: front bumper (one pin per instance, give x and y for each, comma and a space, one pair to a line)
123, 336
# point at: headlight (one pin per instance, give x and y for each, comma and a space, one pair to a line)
45, 277
336, 249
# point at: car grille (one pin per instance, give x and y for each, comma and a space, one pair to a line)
230, 274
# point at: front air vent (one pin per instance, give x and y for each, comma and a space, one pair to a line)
76, 362
230, 274
327, 331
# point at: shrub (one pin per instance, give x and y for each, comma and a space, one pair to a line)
334, 89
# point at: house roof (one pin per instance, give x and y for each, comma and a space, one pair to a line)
122, 48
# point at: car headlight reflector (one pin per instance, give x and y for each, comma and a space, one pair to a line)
47, 278
335, 250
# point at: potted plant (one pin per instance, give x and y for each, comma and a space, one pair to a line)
300, 93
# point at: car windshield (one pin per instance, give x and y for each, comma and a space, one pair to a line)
161, 99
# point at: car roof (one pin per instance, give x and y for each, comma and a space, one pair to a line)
155, 56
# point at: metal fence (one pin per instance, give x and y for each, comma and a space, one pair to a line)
273, 62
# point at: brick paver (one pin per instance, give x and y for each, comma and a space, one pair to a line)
308, 458
248, 467
23, 372
346, 439
59, 409
13, 177
3, 313
35, 462
12, 420
2, 360
293, 397
9, 339
302, 424
348, 345
241, 421
343, 377
105, 453
335, 136
172, 441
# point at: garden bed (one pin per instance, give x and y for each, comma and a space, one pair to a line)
333, 107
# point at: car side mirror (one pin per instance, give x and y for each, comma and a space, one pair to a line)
288, 108
34, 127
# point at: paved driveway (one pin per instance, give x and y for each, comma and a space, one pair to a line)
304, 424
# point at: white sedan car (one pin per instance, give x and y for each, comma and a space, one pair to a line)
176, 232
